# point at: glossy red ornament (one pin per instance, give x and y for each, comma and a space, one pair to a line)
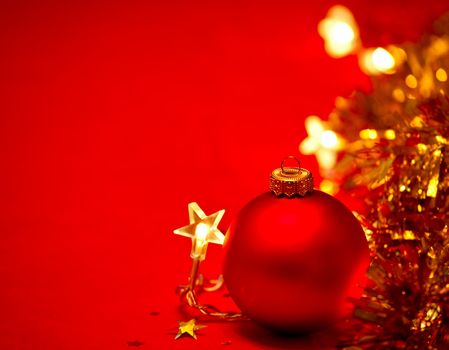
291, 263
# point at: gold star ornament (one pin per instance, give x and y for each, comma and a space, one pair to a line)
203, 229
189, 328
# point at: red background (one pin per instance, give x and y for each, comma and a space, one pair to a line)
115, 115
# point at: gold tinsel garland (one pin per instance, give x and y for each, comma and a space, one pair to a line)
396, 156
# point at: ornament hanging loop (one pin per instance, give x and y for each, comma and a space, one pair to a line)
290, 170
291, 181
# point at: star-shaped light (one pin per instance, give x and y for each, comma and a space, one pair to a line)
325, 144
189, 328
340, 32
203, 229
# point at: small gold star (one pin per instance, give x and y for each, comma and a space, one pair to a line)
188, 327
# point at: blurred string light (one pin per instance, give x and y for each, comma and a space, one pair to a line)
426, 74
340, 32
376, 61
322, 142
341, 38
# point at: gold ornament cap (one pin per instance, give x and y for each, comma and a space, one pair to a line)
291, 181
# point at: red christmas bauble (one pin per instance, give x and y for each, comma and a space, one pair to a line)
291, 263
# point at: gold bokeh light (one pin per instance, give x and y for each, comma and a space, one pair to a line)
324, 143
339, 31
377, 61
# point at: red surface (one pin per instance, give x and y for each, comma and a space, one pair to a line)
114, 116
